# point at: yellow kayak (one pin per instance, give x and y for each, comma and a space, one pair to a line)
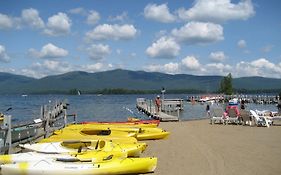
78, 136
86, 156
107, 167
152, 134
94, 131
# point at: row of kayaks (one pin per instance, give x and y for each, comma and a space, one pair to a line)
88, 148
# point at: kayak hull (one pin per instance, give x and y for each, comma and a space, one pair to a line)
114, 166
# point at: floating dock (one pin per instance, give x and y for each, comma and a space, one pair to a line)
166, 112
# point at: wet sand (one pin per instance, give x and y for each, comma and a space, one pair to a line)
196, 147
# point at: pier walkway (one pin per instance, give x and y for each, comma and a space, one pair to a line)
148, 107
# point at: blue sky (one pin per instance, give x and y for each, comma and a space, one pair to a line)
200, 37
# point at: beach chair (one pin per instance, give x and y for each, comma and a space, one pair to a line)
260, 120
246, 117
217, 115
233, 117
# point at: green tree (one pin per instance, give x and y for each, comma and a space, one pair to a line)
226, 85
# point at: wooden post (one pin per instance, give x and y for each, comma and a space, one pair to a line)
65, 117
75, 116
8, 138
178, 112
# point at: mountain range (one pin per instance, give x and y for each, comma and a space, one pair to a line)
125, 79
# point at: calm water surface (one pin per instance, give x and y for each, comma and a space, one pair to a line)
98, 108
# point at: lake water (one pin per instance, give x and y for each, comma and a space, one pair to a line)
97, 108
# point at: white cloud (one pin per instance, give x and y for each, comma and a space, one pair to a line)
47, 67
218, 11
115, 32
3, 55
191, 63
242, 44
267, 48
98, 51
159, 13
170, 68
260, 67
122, 17
59, 24
78, 11
96, 67
48, 51
31, 18
93, 17
6, 22
217, 69
218, 56
199, 33
165, 47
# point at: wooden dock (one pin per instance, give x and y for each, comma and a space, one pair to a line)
51, 119
148, 107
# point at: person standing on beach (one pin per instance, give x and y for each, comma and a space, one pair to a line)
242, 106
208, 110
157, 104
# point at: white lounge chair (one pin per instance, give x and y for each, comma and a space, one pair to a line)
246, 117
217, 115
260, 120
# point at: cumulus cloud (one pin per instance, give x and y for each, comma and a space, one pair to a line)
6, 22
122, 17
78, 11
47, 67
260, 67
217, 69
93, 17
159, 13
58, 24
170, 68
165, 47
191, 63
218, 11
96, 67
115, 32
199, 33
242, 44
3, 55
218, 56
98, 51
48, 51
31, 18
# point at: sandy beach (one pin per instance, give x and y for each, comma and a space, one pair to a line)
196, 147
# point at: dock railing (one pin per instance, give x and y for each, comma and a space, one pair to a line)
43, 126
165, 113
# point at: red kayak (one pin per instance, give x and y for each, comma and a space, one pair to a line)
126, 122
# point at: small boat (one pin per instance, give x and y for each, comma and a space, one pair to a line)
131, 149
86, 156
78, 136
112, 166
152, 134
126, 122
93, 131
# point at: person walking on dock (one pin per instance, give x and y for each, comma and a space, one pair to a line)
157, 104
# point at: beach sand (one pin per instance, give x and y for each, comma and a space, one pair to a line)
196, 147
